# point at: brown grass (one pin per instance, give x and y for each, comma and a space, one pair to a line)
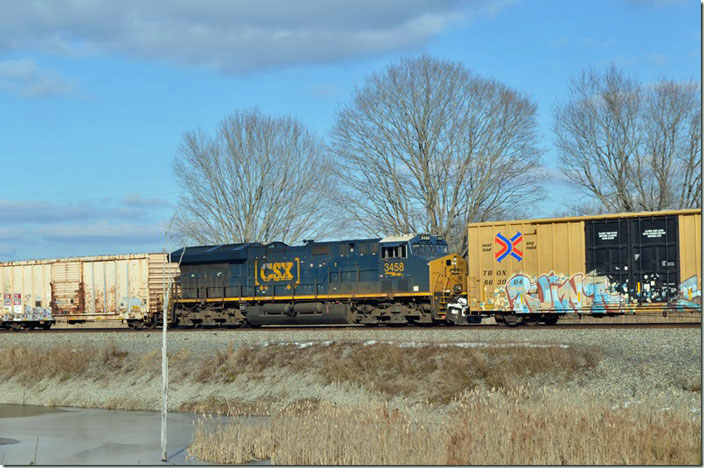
442, 373
433, 373
485, 427
60, 362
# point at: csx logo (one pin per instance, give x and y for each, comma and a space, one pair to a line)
276, 271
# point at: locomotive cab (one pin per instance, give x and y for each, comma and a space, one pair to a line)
421, 264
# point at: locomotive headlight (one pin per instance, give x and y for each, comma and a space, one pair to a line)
458, 289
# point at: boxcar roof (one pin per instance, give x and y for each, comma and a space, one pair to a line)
588, 217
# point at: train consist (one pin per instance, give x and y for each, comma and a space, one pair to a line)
519, 272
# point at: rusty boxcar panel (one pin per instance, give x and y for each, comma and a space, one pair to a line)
591, 264
89, 288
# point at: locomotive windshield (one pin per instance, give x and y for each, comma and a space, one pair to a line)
428, 249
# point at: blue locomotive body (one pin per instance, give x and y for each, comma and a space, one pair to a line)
351, 281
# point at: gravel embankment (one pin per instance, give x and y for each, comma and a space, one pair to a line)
663, 364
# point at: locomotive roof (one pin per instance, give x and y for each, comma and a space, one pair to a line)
233, 252
402, 238
217, 253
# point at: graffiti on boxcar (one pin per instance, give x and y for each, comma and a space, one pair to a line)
28, 314
582, 293
690, 294
585, 293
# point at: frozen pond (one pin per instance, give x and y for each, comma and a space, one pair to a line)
80, 436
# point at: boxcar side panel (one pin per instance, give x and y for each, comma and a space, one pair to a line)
86, 288
690, 250
509, 259
591, 264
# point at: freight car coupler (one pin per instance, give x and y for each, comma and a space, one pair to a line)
458, 312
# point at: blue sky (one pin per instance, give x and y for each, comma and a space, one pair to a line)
96, 95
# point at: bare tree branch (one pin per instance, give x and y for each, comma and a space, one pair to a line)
426, 146
631, 147
255, 179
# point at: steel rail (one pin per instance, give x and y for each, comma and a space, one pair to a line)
381, 328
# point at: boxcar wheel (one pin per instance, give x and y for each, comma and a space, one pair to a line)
532, 320
550, 319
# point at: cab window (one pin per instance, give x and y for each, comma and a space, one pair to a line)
423, 249
399, 251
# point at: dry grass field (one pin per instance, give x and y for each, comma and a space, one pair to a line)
475, 410
364, 402
483, 427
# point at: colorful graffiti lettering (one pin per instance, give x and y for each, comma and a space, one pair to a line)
552, 293
29, 314
585, 293
509, 246
690, 295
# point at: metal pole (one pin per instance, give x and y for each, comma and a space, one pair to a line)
164, 360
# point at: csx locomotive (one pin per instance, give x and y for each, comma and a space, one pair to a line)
395, 280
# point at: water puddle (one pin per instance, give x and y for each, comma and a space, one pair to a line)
80, 436
24, 411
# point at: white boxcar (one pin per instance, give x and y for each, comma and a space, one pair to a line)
83, 289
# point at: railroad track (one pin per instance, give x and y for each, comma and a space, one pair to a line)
381, 329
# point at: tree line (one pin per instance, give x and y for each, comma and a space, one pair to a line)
427, 145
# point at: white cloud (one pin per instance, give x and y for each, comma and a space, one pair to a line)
325, 90
46, 212
85, 227
234, 37
658, 59
103, 232
27, 79
660, 3
560, 42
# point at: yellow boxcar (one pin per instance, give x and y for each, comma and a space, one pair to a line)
607, 264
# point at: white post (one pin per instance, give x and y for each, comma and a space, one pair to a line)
164, 361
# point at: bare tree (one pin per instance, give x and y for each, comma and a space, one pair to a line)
427, 146
631, 147
256, 178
